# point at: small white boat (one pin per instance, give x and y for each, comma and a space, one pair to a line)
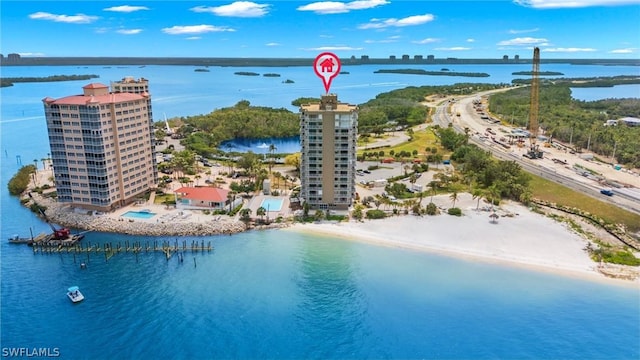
74, 294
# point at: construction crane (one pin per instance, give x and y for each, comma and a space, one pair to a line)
57, 234
534, 151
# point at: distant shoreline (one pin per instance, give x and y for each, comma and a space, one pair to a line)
286, 62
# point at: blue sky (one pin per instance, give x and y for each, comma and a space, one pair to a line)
302, 29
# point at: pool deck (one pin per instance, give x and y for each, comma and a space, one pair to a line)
256, 202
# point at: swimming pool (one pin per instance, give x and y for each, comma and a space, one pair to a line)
271, 204
145, 214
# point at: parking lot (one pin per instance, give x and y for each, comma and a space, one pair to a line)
385, 171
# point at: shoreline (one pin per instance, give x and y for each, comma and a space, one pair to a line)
181, 225
542, 243
557, 249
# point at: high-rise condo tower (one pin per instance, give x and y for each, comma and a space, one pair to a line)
328, 135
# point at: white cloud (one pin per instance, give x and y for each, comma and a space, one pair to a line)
408, 21
470, 40
523, 41
129, 31
195, 29
623, 51
333, 48
336, 7
236, 9
569, 50
273, 44
512, 31
426, 41
555, 4
390, 39
70, 19
455, 48
126, 8
194, 38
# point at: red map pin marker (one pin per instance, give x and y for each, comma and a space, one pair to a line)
327, 67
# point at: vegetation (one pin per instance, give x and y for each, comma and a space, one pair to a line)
555, 193
424, 72
403, 107
271, 75
246, 73
20, 181
9, 81
305, 100
204, 133
375, 214
614, 256
541, 73
577, 123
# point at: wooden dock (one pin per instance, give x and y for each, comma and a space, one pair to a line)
135, 248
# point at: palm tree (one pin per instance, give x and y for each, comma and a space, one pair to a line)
272, 150
494, 195
197, 177
277, 175
434, 186
261, 211
454, 197
231, 196
478, 194
35, 161
245, 214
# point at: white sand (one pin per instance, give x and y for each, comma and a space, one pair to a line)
527, 239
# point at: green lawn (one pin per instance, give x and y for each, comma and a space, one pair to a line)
550, 191
421, 140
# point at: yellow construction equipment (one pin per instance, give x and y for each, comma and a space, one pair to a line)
534, 151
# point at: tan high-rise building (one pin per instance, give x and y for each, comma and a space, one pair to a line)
101, 147
328, 136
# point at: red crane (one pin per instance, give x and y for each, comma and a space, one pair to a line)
57, 234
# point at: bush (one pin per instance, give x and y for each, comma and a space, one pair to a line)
375, 214
20, 181
431, 209
454, 211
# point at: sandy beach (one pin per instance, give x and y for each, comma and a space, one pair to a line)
522, 238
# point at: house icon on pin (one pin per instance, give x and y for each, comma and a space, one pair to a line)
327, 65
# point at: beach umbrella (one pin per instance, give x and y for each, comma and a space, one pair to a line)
494, 218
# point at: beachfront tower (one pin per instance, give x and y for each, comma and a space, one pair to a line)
140, 86
328, 134
101, 147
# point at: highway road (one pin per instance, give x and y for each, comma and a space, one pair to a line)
470, 119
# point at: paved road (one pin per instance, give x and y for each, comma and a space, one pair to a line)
469, 118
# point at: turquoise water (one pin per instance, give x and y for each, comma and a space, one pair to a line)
599, 93
261, 146
139, 214
271, 204
279, 294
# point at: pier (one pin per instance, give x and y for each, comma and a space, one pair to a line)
108, 250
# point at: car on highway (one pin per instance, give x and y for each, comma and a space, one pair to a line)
607, 192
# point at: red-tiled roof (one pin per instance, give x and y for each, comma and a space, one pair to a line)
203, 193
100, 99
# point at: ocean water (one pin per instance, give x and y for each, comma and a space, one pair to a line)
281, 294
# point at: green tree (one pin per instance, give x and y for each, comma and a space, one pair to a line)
261, 211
